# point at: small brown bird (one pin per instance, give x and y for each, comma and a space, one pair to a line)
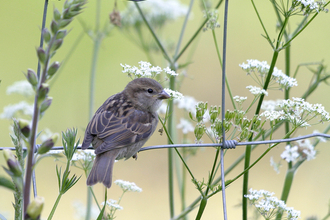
121, 126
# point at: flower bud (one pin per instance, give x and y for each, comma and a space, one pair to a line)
64, 22
53, 68
54, 27
24, 127
31, 76
47, 35
57, 44
48, 144
61, 34
43, 91
12, 163
45, 104
199, 130
66, 4
41, 55
57, 14
35, 207
214, 113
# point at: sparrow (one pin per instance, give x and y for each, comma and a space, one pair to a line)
122, 125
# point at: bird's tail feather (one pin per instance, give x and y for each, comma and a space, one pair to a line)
102, 168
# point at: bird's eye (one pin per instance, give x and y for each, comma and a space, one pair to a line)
150, 90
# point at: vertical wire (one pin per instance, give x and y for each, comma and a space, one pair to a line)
223, 109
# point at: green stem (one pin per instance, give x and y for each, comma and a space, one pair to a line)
248, 147
183, 28
55, 206
97, 44
194, 35
171, 134
160, 45
201, 208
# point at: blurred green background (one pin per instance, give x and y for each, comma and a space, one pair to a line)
20, 23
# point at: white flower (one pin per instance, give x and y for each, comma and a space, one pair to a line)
290, 154
20, 87
271, 105
80, 210
156, 12
173, 94
239, 99
146, 70
84, 155
299, 112
268, 205
276, 166
185, 125
273, 115
170, 72
212, 22
55, 152
256, 90
113, 204
23, 107
308, 6
306, 149
128, 186
261, 69
187, 103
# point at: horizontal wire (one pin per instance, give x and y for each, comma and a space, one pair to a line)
228, 144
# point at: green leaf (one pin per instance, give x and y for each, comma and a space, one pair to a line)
7, 184
100, 217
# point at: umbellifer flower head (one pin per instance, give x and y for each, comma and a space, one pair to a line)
128, 186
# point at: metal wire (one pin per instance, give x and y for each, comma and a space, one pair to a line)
230, 144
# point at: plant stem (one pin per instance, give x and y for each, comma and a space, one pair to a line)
32, 138
55, 206
248, 147
97, 44
171, 132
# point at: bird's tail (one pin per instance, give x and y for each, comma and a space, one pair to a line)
102, 168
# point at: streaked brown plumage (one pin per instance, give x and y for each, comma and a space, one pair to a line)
121, 126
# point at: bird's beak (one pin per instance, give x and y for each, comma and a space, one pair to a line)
163, 95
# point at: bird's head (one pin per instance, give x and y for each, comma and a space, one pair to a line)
145, 94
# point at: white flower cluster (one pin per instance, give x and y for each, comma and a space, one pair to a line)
156, 12
146, 70
269, 206
273, 115
173, 94
128, 186
86, 155
239, 99
11, 110
309, 6
297, 111
256, 90
212, 22
20, 87
261, 68
271, 105
113, 204
303, 150
185, 125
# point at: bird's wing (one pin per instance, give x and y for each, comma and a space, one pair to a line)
120, 127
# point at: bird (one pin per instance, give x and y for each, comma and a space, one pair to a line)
122, 125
